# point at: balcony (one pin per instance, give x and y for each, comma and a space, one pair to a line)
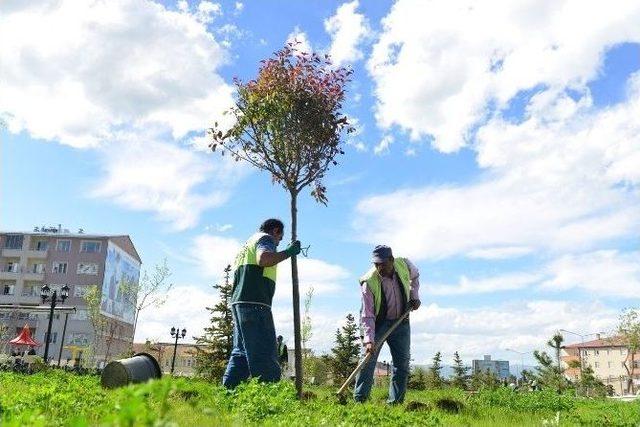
31, 274
11, 253
30, 299
36, 253
7, 273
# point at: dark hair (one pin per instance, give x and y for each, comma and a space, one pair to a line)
271, 225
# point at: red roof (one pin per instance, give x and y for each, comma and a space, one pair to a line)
24, 338
600, 343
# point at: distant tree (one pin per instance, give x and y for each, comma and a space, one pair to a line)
459, 372
556, 344
93, 300
214, 347
434, 379
417, 379
4, 335
288, 121
629, 333
484, 380
346, 350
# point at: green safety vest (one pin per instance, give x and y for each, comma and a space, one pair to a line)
252, 283
372, 279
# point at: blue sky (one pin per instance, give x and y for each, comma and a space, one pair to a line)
502, 159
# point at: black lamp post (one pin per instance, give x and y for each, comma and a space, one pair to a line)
45, 295
177, 334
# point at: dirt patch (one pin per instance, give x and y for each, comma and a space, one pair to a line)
309, 395
415, 406
449, 405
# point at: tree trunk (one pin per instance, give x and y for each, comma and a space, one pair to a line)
296, 297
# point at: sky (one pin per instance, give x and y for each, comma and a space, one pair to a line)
497, 147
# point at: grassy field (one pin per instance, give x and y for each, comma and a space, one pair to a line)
58, 398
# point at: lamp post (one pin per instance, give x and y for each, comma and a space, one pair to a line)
177, 334
45, 294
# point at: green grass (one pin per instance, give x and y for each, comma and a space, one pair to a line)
58, 398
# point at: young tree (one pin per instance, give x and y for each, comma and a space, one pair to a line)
288, 122
434, 379
417, 379
629, 333
307, 326
93, 299
459, 372
346, 350
556, 344
214, 347
151, 291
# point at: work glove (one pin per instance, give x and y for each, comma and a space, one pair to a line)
293, 249
414, 304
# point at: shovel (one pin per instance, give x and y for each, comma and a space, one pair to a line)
368, 356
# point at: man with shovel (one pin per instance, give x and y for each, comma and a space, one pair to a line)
389, 290
254, 283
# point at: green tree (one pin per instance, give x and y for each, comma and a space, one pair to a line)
417, 379
288, 122
550, 374
481, 380
214, 347
434, 379
459, 372
346, 350
629, 334
307, 325
151, 290
99, 322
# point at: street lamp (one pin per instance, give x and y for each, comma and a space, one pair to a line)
45, 294
178, 334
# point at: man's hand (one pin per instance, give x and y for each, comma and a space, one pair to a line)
293, 249
368, 347
414, 304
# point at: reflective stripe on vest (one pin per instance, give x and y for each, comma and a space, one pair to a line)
372, 279
248, 255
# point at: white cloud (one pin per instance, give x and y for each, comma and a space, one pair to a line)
347, 29
300, 39
208, 11
239, 6
185, 308
438, 66
503, 282
560, 180
383, 145
175, 183
606, 273
77, 72
524, 326
213, 253
499, 252
325, 278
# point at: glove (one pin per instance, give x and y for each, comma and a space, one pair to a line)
414, 304
293, 249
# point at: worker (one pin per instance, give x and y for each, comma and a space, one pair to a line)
283, 354
254, 351
388, 289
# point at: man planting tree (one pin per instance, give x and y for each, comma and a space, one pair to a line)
389, 289
254, 351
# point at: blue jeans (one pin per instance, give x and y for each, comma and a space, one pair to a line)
399, 343
254, 346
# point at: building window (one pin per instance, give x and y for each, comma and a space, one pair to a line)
90, 246
596, 352
42, 245
12, 266
609, 364
13, 241
54, 337
37, 268
80, 290
63, 246
60, 267
608, 351
585, 353
596, 364
8, 289
87, 268
80, 315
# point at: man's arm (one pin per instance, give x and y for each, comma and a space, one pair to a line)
268, 256
414, 275
368, 318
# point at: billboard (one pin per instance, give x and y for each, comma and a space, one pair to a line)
121, 275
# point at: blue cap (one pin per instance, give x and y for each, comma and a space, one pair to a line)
381, 253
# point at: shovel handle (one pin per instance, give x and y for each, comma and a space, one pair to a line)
375, 351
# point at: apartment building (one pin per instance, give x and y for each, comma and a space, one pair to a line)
499, 368
606, 356
163, 352
54, 256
